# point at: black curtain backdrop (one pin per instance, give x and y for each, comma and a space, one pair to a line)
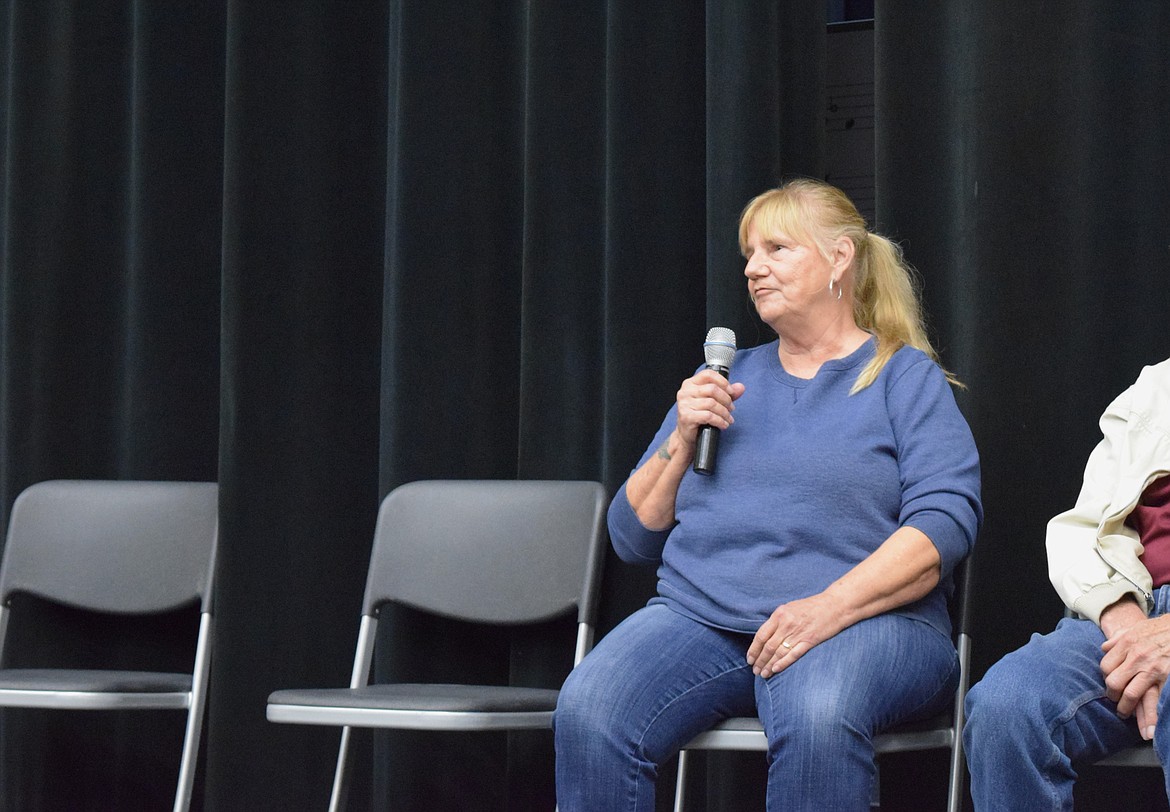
316, 250
1021, 160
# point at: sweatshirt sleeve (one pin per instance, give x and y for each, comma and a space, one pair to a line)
937, 460
633, 542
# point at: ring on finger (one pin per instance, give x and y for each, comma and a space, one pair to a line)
786, 644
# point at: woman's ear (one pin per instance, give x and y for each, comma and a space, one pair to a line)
841, 253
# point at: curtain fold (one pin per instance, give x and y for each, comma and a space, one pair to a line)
303, 224
562, 353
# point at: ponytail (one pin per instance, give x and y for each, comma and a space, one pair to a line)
886, 303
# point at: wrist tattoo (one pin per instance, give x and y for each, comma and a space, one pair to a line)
664, 452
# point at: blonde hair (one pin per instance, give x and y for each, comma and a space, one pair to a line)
885, 287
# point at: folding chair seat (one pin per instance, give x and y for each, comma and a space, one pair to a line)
121, 548
490, 551
944, 731
1141, 755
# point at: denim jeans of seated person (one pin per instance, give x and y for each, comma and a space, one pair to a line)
660, 678
1042, 710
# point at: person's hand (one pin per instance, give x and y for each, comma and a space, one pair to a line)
705, 399
792, 630
1136, 665
1146, 712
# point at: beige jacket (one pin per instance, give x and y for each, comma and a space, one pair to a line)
1093, 557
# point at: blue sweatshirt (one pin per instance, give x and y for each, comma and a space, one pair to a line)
809, 481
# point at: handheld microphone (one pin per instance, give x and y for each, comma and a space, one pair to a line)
719, 350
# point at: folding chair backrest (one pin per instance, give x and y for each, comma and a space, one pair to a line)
112, 546
492, 551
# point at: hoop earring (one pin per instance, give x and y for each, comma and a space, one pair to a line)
831, 281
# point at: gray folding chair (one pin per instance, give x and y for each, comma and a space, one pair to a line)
126, 548
1141, 755
491, 551
944, 731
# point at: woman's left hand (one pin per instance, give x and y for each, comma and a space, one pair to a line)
903, 569
792, 630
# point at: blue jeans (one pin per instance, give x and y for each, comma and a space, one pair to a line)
1041, 710
660, 678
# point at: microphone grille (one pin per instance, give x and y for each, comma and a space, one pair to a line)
719, 348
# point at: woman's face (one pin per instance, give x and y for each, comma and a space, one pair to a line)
786, 279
